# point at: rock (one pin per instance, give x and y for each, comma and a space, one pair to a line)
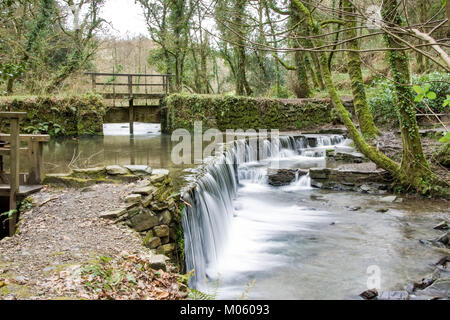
365, 188
355, 208
116, 170
133, 198
113, 214
158, 262
139, 170
383, 210
153, 243
157, 178
147, 201
159, 206
443, 262
346, 157
369, 294
166, 217
388, 199
439, 289
143, 221
165, 240
160, 171
444, 239
89, 172
173, 234
284, 177
442, 226
148, 190
393, 295
161, 231
351, 180
167, 248
316, 197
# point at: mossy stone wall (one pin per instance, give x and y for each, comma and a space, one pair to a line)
57, 116
232, 112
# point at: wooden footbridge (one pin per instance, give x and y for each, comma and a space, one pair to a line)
16, 186
143, 93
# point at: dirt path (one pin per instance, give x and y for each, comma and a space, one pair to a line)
63, 229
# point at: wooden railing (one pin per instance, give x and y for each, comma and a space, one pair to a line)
163, 84
10, 146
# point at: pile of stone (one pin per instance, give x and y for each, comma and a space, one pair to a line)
152, 211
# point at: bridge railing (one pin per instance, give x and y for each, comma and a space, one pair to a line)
160, 82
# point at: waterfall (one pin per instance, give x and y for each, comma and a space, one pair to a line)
210, 211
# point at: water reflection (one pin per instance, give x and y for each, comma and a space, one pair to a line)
147, 147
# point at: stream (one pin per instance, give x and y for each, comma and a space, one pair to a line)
245, 238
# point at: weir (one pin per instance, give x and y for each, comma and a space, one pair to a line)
207, 220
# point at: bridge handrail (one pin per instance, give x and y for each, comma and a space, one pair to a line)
128, 74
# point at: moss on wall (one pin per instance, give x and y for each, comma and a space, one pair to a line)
57, 116
232, 112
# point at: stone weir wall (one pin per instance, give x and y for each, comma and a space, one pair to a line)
57, 116
231, 112
153, 209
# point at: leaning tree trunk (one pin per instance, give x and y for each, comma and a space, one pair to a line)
415, 167
379, 158
414, 171
365, 118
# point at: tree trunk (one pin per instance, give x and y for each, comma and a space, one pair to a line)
10, 85
415, 168
304, 90
365, 118
242, 86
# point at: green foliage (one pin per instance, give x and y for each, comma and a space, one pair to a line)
58, 116
424, 93
446, 138
284, 93
24, 205
198, 295
8, 214
432, 89
51, 128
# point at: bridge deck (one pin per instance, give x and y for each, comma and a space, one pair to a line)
149, 96
24, 191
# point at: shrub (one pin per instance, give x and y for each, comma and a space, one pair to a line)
382, 104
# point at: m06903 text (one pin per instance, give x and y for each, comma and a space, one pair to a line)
247, 310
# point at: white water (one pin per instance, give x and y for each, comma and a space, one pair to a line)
123, 129
295, 242
215, 241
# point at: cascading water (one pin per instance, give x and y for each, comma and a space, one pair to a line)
207, 218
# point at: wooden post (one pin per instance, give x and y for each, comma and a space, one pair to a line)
14, 176
93, 78
131, 104
35, 152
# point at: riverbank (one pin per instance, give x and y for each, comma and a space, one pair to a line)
63, 235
